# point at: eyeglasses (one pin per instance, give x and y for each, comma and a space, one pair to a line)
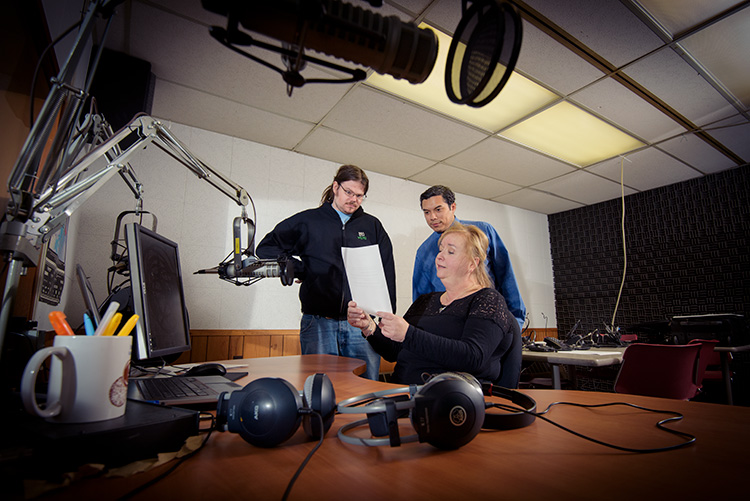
351, 194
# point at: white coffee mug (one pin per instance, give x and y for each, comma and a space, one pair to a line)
88, 379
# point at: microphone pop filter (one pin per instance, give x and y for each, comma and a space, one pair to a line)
483, 52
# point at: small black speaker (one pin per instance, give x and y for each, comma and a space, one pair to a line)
123, 86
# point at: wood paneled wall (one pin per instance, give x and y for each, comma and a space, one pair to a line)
232, 344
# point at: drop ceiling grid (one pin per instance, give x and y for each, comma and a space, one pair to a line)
537, 201
380, 118
716, 48
645, 170
192, 107
341, 148
463, 181
695, 152
201, 83
605, 26
548, 62
609, 99
583, 187
507, 161
670, 78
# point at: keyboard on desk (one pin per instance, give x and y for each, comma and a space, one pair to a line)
170, 388
181, 390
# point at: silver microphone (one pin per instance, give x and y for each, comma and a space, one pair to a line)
252, 267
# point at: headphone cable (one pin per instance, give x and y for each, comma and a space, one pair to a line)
309, 454
676, 416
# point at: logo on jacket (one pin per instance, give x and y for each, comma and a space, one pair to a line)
361, 236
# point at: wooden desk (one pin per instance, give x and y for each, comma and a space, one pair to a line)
536, 462
594, 357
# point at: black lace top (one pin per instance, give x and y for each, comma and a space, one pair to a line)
475, 334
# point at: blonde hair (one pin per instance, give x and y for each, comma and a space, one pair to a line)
477, 245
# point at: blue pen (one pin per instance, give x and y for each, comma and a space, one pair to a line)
88, 324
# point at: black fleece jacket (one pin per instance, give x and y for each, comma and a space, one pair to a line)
316, 237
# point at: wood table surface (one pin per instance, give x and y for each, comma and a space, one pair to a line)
540, 461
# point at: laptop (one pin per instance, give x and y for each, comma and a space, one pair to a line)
180, 391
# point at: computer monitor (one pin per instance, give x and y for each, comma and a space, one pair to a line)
157, 295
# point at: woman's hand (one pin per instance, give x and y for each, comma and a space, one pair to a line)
392, 326
357, 317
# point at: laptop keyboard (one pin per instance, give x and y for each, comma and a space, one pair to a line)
168, 388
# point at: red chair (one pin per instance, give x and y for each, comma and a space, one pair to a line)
708, 358
656, 370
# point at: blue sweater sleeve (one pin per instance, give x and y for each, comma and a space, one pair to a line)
424, 279
501, 271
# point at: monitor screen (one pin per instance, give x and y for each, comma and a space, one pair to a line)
158, 297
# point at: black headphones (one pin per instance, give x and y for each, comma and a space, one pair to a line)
268, 411
447, 412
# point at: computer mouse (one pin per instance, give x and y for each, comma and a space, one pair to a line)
207, 369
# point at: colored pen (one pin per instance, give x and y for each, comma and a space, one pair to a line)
110, 330
107, 318
60, 324
128, 326
88, 324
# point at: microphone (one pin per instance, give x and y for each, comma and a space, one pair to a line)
252, 267
385, 44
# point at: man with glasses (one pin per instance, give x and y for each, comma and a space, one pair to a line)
315, 237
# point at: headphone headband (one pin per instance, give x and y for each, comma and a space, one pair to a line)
383, 409
513, 420
350, 405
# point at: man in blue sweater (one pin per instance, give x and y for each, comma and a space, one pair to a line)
439, 208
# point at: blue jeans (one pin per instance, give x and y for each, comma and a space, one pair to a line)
329, 336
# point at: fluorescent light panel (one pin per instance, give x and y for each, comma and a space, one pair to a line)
563, 131
519, 97
575, 136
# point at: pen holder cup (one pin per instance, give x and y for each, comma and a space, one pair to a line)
88, 379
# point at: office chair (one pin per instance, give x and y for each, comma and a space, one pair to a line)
709, 358
668, 371
712, 360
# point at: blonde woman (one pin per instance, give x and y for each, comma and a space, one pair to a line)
466, 328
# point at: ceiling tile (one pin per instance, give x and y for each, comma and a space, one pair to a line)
735, 134
547, 61
506, 161
613, 101
697, 153
716, 48
399, 124
462, 181
646, 169
191, 107
605, 26
537, 201
414, 6
583, 187
343, 149
678, 17
444, 14
675, 82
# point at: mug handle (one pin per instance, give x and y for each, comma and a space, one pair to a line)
68, 382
